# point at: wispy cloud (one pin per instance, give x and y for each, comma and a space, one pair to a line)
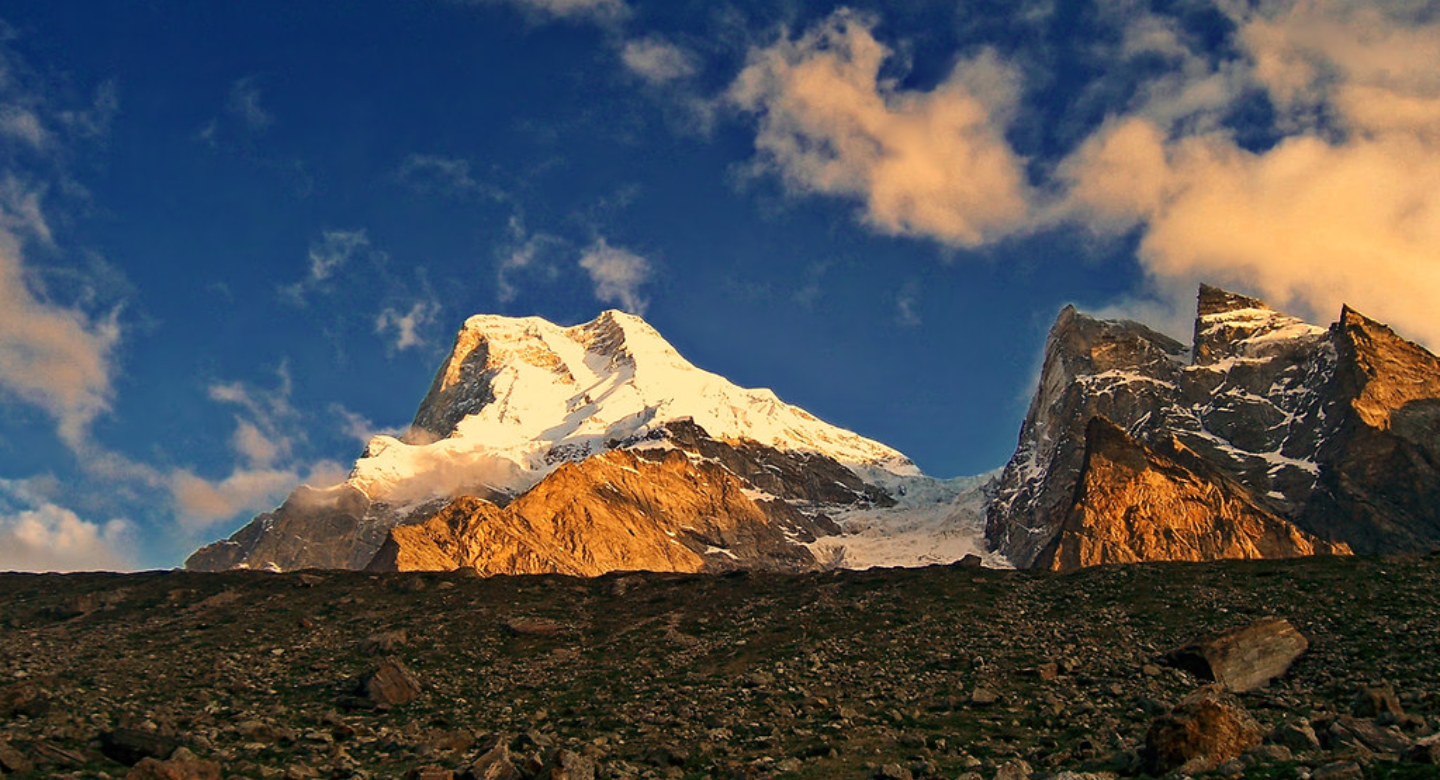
617, 275
23, 125
430, 173
332, 252
657, 61
928, 164
907, 305
244, 103
575, 10
526, 254
406, 327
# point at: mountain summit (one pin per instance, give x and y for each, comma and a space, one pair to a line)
1266, 437
511, 466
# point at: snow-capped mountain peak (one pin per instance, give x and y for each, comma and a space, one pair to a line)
517, 397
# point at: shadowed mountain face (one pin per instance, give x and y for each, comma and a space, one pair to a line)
1275, 420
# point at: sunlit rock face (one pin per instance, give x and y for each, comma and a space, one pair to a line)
544, 448
1332, 430
1135, 503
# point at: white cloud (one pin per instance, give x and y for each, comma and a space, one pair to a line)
327, 256
927, 164
264, 447
38, 535
907, 306
52, 357
244, 104
407, 326
657, 61
617, 275
1344, 209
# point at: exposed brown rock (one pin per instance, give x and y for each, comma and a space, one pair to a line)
1374, 701
321, 529
614, 511
183, 765
12, 760
1201, 732
390, 685
1245, 658
1133, 503
495, 764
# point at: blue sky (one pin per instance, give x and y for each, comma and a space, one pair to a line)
237, 238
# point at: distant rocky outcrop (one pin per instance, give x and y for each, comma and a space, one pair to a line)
1134, 503
1267, 437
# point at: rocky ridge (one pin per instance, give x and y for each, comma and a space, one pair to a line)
1328, 430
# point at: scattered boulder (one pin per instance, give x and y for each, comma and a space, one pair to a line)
1349, 732
494, 764
1297, 735
1245, 658
182, 765
390, 685
385, 642
26, 698
1376, 701
430, 773
130, 746
1205, 730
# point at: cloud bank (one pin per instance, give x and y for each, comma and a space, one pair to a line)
1340, 204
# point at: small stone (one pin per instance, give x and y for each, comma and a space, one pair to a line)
1343, 770
984, 697
430, 773
182, 765
390, 685
892, 772
1349, 731
1150, 670
1048, 671
1205, 730
1245, 658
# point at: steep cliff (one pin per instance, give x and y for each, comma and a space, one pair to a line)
1133, 503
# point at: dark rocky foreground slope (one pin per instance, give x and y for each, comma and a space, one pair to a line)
925, 673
